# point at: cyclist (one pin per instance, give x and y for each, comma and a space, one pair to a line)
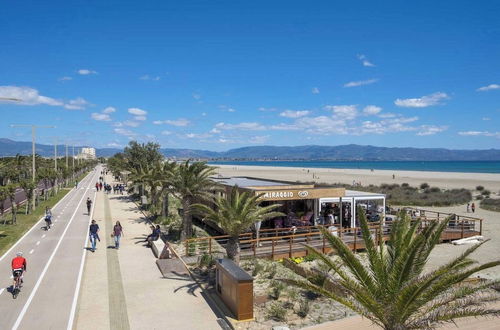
48, 217
18, 269
89, 205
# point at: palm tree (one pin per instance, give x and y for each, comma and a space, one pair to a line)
391, 289
11, 195
190, 181
29, 188
235, 215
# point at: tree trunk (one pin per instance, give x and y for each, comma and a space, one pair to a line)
187, 225
233, 249
164, 207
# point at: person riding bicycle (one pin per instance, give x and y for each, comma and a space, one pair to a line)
48, 217
89, 205
18, 268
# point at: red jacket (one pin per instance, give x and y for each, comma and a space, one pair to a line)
18, 263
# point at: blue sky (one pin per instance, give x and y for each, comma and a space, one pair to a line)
218, 75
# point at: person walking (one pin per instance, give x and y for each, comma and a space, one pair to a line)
473, 207
97, 186
48, 218
89, 205
94, 235
468, 207
117, 234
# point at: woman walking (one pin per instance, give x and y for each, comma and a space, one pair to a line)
117, 234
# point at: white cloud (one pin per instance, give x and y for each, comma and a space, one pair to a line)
140, 118
109, 110
259, 139
221, 140
85, 72
315, 90
231, 110
181, 122
370, 110
360, 83
166, 133
203, 114
486, 118
148, 77
130, 123
321, 125
76, 104
196, 96
125, 132
422, 102
241, 126
431, 129
480, 133
26, 96
263, 109
215, 131
387, 115
137, 112
114, 145
66, 78
364, 60
100, 116
157, 122
488, 88
294, 114
198, 136
346, 112
391, 125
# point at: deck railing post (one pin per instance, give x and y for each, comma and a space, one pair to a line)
480, 226
355, 239
462, 230
324, 242
187, 248
290, 247
254, 249
210, 245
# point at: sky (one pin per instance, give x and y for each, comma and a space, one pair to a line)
217, 75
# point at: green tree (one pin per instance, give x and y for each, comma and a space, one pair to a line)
235, 215
391, 289
29, 189
3, 198
138, 155
191, 181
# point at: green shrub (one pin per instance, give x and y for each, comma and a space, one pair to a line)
405, 185
277, 288
424, 186
276, 312
485, 192
479, 188
309, 257
303, 308
257, 267
271, 270
206, 260
491, 204
479, 197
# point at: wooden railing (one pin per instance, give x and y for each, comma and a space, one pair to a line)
286, 241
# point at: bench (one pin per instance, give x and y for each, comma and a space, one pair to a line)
157, 247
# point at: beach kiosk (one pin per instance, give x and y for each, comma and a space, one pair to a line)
306, 204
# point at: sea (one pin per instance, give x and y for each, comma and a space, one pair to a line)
432, 166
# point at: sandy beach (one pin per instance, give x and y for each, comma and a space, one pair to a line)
445, 180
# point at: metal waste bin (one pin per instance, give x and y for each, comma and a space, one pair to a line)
235, 287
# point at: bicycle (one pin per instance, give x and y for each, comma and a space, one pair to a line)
16, 288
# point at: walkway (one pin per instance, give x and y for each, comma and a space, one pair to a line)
123, 289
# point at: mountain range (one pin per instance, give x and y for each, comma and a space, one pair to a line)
309, 152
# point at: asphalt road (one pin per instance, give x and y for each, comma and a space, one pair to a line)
55, 262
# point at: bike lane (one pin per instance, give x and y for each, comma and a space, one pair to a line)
44, 249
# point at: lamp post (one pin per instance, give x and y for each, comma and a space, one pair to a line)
33, 134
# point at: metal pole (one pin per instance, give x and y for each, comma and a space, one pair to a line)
66, 155
55, 156
73, 162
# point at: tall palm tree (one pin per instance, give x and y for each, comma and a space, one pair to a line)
235, 215
391, 288
191, 181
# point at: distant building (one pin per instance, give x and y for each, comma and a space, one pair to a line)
86, 153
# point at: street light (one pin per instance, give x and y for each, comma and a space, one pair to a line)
33, 133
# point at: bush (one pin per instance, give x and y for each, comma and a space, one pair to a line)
491, 204
424, 186
485, 192
405, 185
257, 268
303, 308
276, 312
479, 197
479, 188
206, 260
276, 289
271, 270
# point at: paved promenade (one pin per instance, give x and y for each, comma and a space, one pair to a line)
123, 289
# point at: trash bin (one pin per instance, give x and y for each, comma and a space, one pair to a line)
235, 287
